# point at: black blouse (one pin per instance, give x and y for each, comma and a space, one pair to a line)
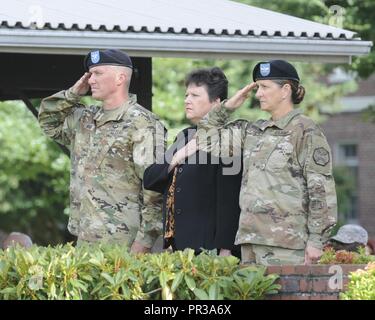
206, 201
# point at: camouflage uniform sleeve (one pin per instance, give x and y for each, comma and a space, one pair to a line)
322, 202
59, 115
147, 142
215, 134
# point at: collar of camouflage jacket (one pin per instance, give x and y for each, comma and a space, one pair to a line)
104, 116
282, 122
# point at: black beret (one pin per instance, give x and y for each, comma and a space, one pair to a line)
275, 70
107, 57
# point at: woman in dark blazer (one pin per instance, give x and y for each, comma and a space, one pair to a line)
201, 209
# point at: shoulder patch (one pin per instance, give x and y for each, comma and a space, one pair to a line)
321, 156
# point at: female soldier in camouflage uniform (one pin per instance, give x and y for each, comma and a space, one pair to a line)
288, 199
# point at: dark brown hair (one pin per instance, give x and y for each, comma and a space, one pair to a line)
213, 78
298, 91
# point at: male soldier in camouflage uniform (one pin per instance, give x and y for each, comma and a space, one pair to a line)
110, 148
288, 198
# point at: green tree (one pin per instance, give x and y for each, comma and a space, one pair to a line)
345, 188
34, 178
359, 16
169, 89
314, 10
354, 15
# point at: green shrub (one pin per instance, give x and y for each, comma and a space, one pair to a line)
110, 272
361, 284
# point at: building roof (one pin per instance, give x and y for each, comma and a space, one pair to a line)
173, 28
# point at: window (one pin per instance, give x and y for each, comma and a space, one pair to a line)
347, 155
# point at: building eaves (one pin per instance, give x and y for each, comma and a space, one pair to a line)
146, 44
169, 28
172, 30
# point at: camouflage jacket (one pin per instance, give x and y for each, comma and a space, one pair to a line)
109, 153
288, 196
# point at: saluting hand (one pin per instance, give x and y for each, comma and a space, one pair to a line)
81, 87
241, 95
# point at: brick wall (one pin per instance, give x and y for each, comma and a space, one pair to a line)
311, 282
349, 127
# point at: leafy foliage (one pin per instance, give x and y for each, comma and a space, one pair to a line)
359, 16
109, 272
361, 284
315, 10
169, 89
330, 256
369, 113
354, 15
34, 178
345, 187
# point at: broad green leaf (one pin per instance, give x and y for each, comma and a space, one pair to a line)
163, 279
213, 292
79, 284
8, 291
201, 294
108, 278
190, 282
167, 293
177, 280
52, 291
